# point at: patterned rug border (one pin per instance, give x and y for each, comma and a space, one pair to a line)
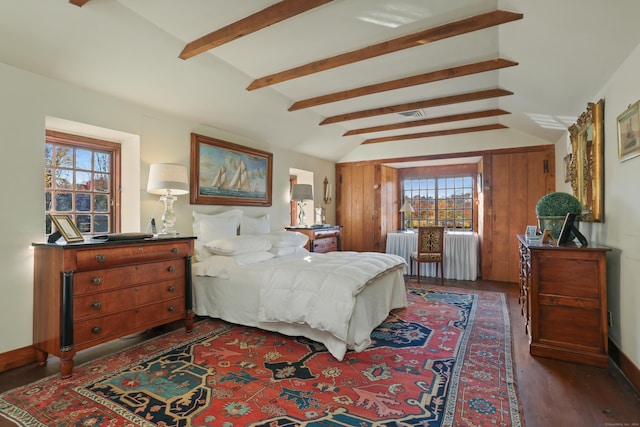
208, 327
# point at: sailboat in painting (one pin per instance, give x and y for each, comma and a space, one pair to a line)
220, 180
240, 180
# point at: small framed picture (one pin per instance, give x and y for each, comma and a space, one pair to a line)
629, 133
67, 228
531, 230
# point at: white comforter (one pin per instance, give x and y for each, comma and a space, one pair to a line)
320, 289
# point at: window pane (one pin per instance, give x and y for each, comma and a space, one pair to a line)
83, 202
101, 182
48, 154
102, 162
64, 179
64, 202
63, 157
84, 223
101, 224
83, 159
83, 181
48, 178
101, 203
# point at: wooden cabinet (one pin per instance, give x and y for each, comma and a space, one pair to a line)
87, 294
325, 239
564, 295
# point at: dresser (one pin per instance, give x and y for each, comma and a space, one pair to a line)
563, 292
90, 293
324, 239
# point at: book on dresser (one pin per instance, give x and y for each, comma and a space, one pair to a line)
90, 293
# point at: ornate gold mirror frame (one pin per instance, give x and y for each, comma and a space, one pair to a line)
587, 163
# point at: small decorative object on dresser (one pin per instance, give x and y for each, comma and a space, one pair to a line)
325, 238
90, 293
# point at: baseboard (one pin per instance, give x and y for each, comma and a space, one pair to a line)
19, 357
631, 371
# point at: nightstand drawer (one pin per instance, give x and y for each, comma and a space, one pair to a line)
325, 244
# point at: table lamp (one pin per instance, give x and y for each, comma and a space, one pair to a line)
406, 207
300, 193
169, 180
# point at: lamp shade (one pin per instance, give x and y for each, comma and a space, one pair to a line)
165, 177
302, 192
406, 207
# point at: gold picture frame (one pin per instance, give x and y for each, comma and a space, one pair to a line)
67, 228
223, 173
587, 151
629, 133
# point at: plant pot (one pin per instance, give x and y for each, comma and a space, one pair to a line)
554, 223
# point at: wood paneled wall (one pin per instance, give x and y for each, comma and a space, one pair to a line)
368, 200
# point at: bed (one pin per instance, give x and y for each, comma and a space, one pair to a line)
268, 280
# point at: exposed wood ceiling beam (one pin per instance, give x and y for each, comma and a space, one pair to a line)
435, 133
430, 35
79, 3
448, 73
252, 23
428, 103
432, 121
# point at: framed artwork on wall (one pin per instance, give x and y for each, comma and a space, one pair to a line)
223, 173
629, 133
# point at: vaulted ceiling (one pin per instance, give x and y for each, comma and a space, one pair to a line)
324, 77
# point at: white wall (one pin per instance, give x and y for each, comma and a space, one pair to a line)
28, 101
621, 227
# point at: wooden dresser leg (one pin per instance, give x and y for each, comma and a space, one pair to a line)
66, 365
41, 357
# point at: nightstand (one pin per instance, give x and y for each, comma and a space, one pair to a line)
321, 239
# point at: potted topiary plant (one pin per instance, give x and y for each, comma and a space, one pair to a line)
552, 209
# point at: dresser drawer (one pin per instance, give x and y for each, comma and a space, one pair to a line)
130, 275
105, 327
327, 244
102, 257
100, 304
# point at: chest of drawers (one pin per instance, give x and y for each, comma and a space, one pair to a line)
87, 294
564, 298
325, 239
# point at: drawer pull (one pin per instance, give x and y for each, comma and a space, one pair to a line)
96, 305
96, 281
100, 258
96, 330
172, 288
171, 269
175, 250
172, 308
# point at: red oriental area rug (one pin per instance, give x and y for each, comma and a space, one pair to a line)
445, 360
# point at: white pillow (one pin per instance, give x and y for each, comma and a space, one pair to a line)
284, 239
210, 227
259, 225
252, 257
236, 245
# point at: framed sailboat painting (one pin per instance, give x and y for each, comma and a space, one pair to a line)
223, 173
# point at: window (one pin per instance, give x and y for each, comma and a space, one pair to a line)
445, 201
81, 180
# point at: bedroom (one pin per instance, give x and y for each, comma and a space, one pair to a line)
150, 133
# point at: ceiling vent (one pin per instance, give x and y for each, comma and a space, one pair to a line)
413, 113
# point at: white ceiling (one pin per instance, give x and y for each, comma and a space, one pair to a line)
566, 50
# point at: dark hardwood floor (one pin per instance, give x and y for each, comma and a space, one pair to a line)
553, 393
